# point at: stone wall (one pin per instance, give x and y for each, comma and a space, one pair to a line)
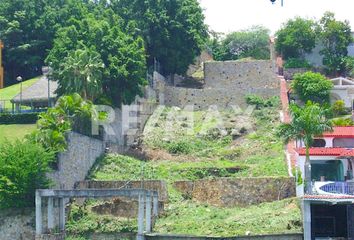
17, 224
230, 192
121, 206
76, 161
242, 75
204, 98
295, 236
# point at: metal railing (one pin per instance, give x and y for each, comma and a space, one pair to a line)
344, 188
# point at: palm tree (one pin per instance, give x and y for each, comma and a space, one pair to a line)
307, 122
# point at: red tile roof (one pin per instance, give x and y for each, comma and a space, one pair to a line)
342, 132
337, 196
340, 152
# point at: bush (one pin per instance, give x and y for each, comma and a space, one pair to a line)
297, 63
342, 122
311, 86
23, 118
338, 108
260, 102
23, 168
180, 147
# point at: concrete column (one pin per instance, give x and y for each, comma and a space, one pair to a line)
50, 214
148, 213
61, 214
140, 235
155, 209
38, 213
307, 219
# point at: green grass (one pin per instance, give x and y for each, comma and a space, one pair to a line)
15, 131
9, 92
199, 219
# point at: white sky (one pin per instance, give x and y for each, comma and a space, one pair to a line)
232, 15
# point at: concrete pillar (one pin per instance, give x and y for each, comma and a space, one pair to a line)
50, 214
61, 214
155, 208
307, 219
38, 213
140, 235
148, 212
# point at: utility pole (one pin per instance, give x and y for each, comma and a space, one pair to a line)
1, 68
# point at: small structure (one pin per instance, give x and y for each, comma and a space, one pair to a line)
328, 205
40, 95
343, 89
148, 206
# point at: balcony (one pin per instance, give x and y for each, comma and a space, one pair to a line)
333, 188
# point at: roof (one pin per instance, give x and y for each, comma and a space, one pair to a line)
339, 152
341, 132
330, 198
38, 92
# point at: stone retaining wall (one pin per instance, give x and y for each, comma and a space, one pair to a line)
230, 192
76, 161
242, 75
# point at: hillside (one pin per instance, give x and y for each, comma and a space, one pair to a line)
175, 148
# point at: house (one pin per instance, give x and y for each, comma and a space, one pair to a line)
328, 205
38, 95
315, 58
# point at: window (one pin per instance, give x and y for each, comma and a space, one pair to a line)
319, 143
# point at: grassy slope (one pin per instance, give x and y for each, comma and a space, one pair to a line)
258, 152
11, 91
15, 131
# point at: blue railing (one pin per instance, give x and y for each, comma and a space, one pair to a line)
346, 188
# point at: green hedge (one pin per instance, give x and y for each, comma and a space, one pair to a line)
21, 118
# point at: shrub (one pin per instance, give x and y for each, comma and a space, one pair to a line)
260, 102
342, 122
23, 168
23, 118
180, 147
338, 108
71, 113
311, 86
297, 63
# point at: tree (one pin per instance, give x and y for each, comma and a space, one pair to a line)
28, 27
174, 31
307, 122
335, 37
252, 42
121, 52
312, 86
296, 37
81, 71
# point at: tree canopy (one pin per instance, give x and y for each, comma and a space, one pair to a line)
174, 31
296, 37
312, 86
335, 36
98, 39
252, 42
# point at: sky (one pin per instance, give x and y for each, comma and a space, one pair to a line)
232, 15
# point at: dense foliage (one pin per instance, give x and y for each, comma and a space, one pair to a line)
174, 31
297, 63
296, 37
99, 39
25, 118
28, 27
70, 113
23, 168
335, 36
250, 43
312, 86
